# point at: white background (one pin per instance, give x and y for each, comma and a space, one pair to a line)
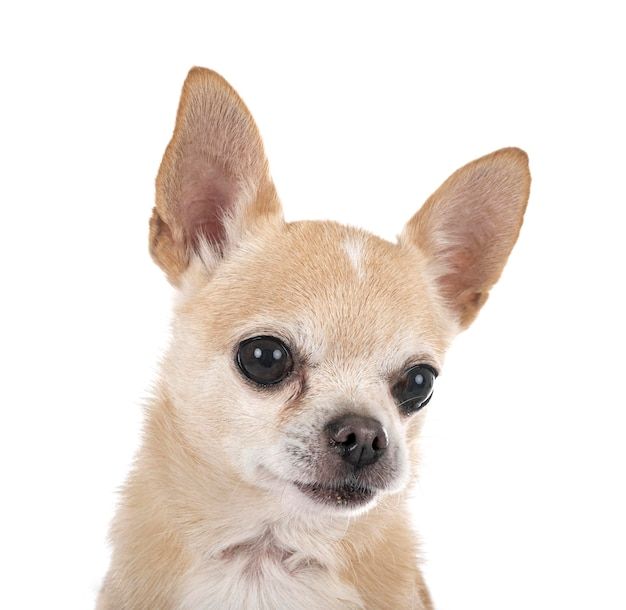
365, 109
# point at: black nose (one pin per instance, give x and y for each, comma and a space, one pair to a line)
359, 440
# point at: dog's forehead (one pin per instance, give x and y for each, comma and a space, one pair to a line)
333, 288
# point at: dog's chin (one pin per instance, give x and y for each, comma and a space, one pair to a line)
310, 498
342, 496
319, 500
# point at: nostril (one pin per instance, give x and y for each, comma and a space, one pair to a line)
342, 434
380, 442
376, 444
350, 440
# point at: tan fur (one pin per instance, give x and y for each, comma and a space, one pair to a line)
486, 200
214, 130
209, 516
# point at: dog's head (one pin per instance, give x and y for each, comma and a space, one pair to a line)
304, 353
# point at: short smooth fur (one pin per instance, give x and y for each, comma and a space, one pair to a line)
213, 514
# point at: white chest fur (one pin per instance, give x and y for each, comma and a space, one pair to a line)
264, 574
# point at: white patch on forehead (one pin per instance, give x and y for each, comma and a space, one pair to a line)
354, 249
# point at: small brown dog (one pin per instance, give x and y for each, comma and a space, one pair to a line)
280, 447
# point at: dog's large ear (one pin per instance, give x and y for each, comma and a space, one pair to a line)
213, 182
468, 227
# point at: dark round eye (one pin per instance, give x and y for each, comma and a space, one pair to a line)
265, 360
415, 388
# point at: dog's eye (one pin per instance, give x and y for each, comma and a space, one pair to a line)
265, 360
415, 388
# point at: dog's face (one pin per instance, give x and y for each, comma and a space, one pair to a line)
298, 359
304, 353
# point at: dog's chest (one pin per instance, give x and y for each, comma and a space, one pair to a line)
264, 575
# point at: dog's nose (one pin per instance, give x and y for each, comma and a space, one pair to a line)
359, 440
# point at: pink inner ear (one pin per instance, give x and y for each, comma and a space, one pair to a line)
207, 199
469, 225
471, 238
204, 218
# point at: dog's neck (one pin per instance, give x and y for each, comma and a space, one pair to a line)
211, 531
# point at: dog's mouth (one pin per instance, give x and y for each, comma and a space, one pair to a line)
342, 495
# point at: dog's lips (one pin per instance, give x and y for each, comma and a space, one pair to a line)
340, 495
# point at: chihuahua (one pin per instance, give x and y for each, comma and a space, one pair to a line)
280, 448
